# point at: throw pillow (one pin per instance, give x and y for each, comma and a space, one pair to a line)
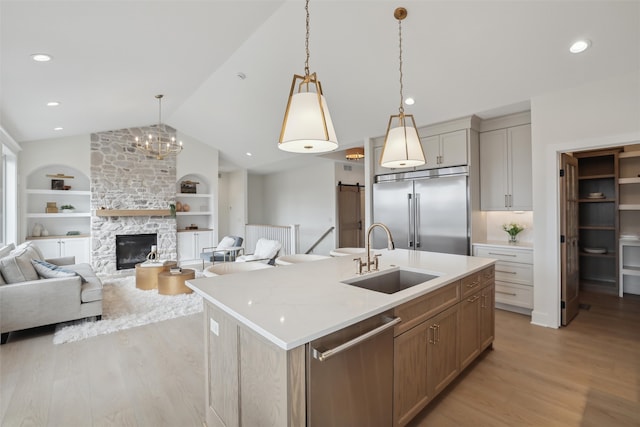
47, 270
6, 250
16, 267
226, 242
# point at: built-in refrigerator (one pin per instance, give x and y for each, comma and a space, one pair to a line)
425, 210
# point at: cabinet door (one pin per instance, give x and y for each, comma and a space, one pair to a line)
487, 316
410, 387
493, 170
50, 248
186, 246
78, 247
453, 149
519, 138
431, 148
205, 240
442, 351
470, 309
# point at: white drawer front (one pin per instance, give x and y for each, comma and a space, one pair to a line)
518, 295
505, 254
514, 272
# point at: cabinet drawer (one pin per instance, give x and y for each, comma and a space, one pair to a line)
512, 294
514, 272
487, 276
422, 308
470, 284
505, 254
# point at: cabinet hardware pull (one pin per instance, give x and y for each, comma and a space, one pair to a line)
433, 329
472, 284
484, 302
505, 271
474, 298
438, 330
322, 356
506, 293
497, 253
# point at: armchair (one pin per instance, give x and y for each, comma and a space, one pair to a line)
227, 250
266, 250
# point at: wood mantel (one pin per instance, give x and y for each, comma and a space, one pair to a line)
133, 212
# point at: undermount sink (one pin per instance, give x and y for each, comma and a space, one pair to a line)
392, 281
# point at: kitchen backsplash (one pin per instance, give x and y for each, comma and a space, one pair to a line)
495, 220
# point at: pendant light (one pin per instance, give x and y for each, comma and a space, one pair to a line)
307, 125
154, 145
402, 148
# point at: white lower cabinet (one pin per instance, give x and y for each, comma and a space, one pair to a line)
190, 244
514, 274
79, 247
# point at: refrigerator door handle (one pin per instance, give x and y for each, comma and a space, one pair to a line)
409, 233
417, 219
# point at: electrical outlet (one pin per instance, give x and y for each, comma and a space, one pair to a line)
213, 325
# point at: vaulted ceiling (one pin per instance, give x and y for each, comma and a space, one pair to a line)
460, 57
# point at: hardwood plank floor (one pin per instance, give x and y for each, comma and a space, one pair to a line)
587, 374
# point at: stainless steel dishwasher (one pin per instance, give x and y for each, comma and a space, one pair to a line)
350, 375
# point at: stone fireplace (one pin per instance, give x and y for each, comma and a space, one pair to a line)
124, 178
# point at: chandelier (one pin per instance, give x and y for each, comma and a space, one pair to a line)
307, 125
402, 146
156, 145
355, 153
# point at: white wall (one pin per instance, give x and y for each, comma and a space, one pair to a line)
304, 196
600, 114
237, 203
496, 219
256, 199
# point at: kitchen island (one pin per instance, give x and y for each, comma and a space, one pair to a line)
259, 326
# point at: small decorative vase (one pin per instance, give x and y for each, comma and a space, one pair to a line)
45, 232
513, 238
37, 230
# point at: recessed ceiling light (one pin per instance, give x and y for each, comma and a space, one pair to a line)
58, 128
409, 101
41, 57
249, 154
241, 75
580, 46
53, 104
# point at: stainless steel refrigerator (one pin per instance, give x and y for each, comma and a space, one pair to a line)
425, 210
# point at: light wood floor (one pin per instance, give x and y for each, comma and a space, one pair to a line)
587, 374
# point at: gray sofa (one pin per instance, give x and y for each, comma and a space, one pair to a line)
43, 301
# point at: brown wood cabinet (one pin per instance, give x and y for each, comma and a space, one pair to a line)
430, 352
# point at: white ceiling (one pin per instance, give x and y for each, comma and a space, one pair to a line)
460, 58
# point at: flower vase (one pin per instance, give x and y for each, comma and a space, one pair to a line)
513, 238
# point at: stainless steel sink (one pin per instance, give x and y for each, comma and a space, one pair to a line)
391, 281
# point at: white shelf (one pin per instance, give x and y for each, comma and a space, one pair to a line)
628, 154
190, 213
60, 192
631, 271
629, 207
629, 180
193, 195
59, 215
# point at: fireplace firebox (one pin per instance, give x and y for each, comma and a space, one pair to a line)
132, 249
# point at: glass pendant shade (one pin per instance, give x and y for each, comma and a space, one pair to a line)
307, 126
402, 148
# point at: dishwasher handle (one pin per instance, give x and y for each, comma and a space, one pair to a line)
322, 356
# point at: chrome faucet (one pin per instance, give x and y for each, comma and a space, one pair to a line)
369, 262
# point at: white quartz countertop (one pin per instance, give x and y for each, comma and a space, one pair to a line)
295, 304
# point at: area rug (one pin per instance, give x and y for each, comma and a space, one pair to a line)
124, 306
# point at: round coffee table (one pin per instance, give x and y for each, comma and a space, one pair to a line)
173, 283
147, 277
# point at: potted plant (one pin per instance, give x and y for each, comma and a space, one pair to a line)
67, 208
513, 229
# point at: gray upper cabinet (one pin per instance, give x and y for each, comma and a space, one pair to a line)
448, 149
505, 169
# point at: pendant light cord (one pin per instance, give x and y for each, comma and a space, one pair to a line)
306, 42
401, 109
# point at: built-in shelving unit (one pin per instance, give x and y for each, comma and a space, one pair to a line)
598, 220
195, 226
67, 233
629, 213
